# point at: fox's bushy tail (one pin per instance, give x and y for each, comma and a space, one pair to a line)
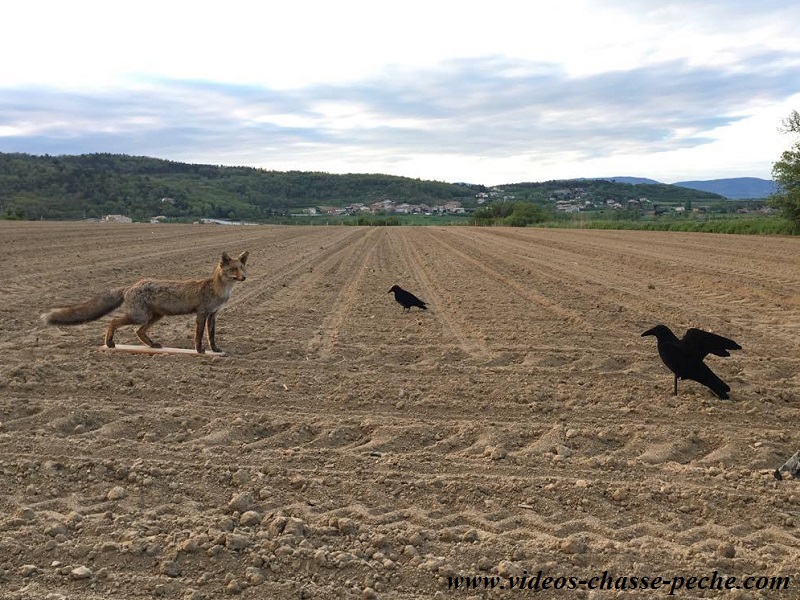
91, 310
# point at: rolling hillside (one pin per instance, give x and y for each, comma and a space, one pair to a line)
737, 188
93, 185
86, 186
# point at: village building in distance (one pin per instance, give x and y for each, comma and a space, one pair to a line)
387, 207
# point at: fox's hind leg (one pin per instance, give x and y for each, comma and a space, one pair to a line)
115, 324
141, 333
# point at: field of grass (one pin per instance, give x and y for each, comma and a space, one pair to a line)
740, 225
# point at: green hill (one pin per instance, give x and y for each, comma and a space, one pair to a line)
93, 185
737, 188
600, 190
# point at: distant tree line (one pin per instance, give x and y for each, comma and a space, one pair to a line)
93, 185
601, 190
786, 171
513, 214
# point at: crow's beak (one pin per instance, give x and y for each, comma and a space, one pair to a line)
648, 332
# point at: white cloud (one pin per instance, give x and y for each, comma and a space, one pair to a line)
486, 92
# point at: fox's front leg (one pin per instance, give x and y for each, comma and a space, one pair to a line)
211, 325
200, 326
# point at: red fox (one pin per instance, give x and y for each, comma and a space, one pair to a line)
148, 300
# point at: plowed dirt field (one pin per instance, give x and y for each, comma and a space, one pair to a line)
345, 449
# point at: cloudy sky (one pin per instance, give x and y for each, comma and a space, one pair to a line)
486, 92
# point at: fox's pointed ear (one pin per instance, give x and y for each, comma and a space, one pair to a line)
242, 258
225, 259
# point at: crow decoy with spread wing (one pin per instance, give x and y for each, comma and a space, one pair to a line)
684, 357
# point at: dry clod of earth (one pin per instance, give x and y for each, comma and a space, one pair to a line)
347, 450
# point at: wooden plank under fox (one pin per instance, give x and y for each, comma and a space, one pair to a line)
137, 349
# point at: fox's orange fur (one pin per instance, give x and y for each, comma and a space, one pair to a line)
148, 300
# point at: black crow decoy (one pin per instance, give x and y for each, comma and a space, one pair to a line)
684, 357
407, 299
792, 465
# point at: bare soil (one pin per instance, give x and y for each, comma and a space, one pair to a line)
345, 449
